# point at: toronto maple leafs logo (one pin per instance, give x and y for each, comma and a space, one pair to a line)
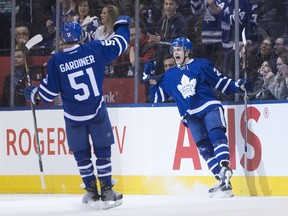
187, 86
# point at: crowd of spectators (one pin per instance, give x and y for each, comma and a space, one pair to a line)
19, 83
208, 23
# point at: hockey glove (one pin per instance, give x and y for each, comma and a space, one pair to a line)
122, 20
244, 84
31, 94
149, 70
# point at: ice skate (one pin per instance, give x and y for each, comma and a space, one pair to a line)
219, 190
110, 198
223, 188
91, 197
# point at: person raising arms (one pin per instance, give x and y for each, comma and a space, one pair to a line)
77, 73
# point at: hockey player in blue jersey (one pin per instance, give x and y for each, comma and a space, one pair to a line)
77, 74
190, 83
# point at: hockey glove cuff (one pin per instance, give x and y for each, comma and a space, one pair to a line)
146, 77
122, 20
244, 84
31, 94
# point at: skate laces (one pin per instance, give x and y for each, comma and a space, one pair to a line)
108, 194
225, 175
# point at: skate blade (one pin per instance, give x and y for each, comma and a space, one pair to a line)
93, 204
221, 194
111, 204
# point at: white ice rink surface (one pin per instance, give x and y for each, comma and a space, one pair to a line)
140, 205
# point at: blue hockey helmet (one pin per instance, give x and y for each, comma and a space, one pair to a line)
71, 32
181, 42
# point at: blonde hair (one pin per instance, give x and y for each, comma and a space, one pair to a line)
113, 12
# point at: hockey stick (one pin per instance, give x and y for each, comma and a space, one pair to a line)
32, 42
245, 97
165, 43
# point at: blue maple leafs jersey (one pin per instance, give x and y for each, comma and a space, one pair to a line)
78, 74
192, 85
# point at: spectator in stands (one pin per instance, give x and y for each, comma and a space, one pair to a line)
276, 83
172, 25
121, 67
272, 17
146, 51
265, 52
66, 13
108, 16
280, 46
41, 11
260, 93
21, 35
85, 17
194, 11
61, 45
212, 34
105, 31
283, 67
149, 15
271, 85
257, 54
19, 82
228, 34
23, 12
168, 62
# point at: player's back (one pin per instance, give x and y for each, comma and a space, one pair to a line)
78, 74
79, 68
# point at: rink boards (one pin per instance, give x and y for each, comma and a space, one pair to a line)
153, 152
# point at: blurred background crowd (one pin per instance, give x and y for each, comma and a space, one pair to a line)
214, 27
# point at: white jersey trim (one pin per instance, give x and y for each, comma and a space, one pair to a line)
226, 86
162, 94
83, 118
45, 98
119, 44
47, 91
204, 106
222, 117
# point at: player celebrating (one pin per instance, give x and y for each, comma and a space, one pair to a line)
77, 74
190, 84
